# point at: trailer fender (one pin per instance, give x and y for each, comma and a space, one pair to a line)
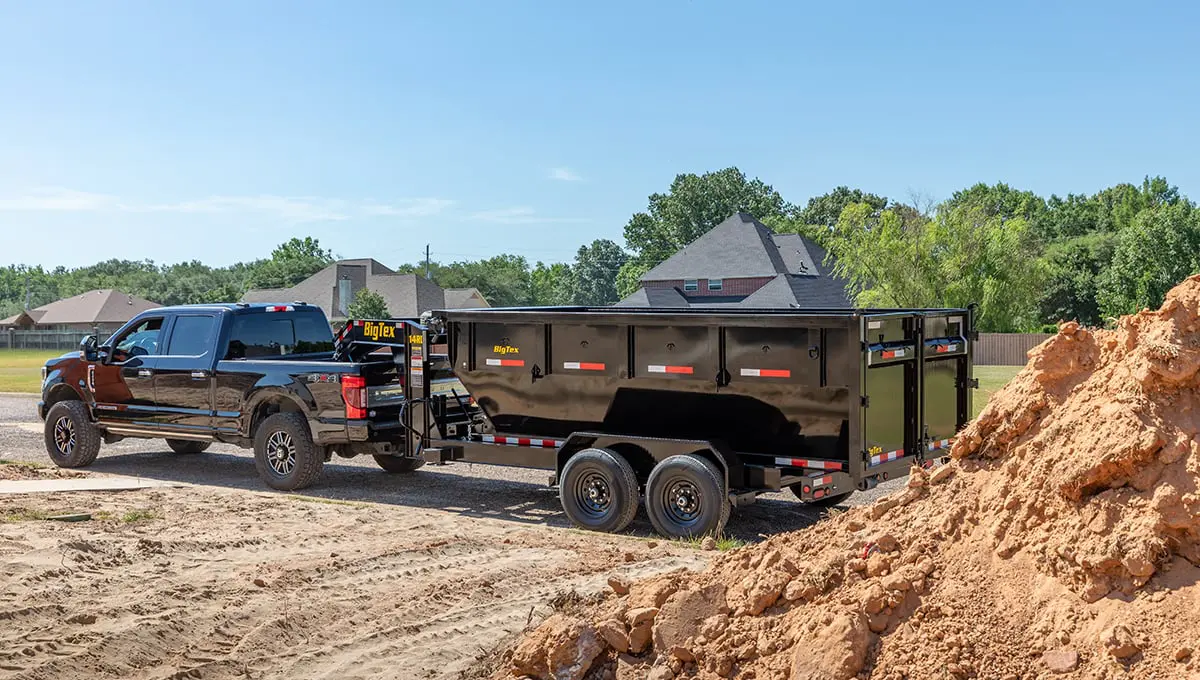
643, 453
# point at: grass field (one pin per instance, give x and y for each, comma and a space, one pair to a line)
991, 378
21, 369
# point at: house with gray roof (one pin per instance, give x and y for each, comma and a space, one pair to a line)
106, 309
742, 263
333, 289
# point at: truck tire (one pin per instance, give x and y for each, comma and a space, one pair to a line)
71, 439
686, 497
825, 502
187, 446
284, 452
599, 490
398, 464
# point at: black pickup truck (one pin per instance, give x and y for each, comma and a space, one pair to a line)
271, 377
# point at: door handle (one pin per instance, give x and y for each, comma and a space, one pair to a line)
197, 375
145, 373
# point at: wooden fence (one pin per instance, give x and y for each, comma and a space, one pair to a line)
1006, 349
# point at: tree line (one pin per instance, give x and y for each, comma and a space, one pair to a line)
1027, 260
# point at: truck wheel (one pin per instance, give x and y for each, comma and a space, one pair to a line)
825, 502
686, 497
398, 463
187, 445
599, 490
71, 439
284, 452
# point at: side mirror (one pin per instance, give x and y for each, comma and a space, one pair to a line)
87, 347
104, 354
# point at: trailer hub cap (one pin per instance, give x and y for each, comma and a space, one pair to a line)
593, 493
683, 501
281, 453
64, 435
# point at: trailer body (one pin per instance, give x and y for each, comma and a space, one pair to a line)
822, 401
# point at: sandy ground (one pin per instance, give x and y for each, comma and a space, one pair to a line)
366, 575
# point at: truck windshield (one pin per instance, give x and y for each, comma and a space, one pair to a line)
273, 334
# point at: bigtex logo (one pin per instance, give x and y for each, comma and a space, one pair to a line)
505, 349
376, 331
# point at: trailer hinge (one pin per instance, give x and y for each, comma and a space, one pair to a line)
866, 401
972, 383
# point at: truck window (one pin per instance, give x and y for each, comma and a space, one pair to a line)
140, 340
273, 334
191, 336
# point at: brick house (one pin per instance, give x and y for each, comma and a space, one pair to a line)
742, 263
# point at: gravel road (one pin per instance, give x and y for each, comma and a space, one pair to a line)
513, 494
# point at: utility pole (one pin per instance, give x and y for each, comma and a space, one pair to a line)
427, 261
28, 291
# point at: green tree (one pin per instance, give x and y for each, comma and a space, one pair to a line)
826, 209
629, 277
999, 200
291, 263
368, 305
961, 256
1157, 251
1073, 269
693, 205
551, 285
594, 280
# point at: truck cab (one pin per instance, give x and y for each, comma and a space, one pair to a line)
261, 376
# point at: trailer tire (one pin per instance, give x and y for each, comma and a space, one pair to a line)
398, 464
827, 501
599, 490
284, 452
72, 440
686, 497
187, 446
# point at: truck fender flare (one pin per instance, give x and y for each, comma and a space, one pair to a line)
254, 413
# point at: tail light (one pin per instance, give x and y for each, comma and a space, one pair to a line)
354, 393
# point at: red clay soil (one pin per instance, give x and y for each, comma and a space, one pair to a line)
1062, 540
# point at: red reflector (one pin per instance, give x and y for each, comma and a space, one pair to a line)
354, 393
505, 362
889, 355
807, 489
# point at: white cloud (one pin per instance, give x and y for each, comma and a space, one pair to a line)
518, 215
294, 209
564, 175
411, 207
64, 200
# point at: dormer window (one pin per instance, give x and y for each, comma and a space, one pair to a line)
691, 285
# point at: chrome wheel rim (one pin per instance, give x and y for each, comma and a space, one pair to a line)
683, 502
64, 435
281, 453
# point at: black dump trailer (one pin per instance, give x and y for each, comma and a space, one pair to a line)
693, 411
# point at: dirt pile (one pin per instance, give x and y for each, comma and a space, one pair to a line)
1062, 540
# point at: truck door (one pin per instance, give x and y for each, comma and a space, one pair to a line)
122, 385
183, 380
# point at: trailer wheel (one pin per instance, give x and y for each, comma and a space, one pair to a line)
398, 464
284, 452
599, 490
686, 497
825, 502
187, 446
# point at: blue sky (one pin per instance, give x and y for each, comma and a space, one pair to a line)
215, 130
